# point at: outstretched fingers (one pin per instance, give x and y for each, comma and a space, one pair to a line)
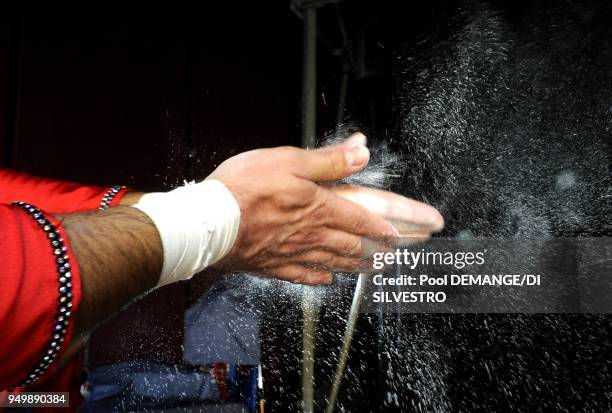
299, 274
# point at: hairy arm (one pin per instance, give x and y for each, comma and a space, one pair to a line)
290, 227
120, 256
262, 211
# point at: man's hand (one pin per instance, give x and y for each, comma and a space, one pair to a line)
291, 227
294, 224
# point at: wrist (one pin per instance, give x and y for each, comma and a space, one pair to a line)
131, 198
197, 224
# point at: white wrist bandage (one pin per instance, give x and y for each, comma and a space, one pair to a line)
197, 224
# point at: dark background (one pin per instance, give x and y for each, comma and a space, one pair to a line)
104, 93
149, 95
145, 96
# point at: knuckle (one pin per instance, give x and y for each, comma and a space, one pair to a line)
285, 201
285, 150
289, 153
313, 238
361, 220
354, 247
312, 278
290, 196
348, 263
320, 209
356, 263
300, 278
285, 248
304, 239
349, 246
325, 258
336, 162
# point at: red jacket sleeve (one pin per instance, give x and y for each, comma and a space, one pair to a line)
41, 290
52, 195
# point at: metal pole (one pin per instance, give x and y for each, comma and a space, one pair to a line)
310, 306
309, 331
309, 79
346, 343
343, 93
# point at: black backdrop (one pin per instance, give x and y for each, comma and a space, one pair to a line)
103, 93
147, 96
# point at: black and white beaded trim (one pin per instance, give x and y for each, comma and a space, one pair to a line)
64, 307
109, 196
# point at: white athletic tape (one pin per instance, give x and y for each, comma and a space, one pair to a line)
197, 223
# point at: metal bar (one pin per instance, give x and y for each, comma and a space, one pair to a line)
349, 332
309, 331
309, 80
343, 92
346, 67
310, 306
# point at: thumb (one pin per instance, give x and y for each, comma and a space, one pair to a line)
334, 162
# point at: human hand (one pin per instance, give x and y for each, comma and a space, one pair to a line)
292, 227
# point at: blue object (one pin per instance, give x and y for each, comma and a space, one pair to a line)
145, 384
223, 326
252, 400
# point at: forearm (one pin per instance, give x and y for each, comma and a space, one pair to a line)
120, 256
261, 212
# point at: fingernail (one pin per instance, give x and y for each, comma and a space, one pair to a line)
356, 138
357, 155
420, 216
393, 234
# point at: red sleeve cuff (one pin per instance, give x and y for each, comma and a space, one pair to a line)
112, 196
117, 199
42, 292
52, 195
